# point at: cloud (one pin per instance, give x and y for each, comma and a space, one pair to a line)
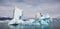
30, 7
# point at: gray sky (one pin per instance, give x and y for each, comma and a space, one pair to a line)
30, 7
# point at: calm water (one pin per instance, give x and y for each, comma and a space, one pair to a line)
4, 25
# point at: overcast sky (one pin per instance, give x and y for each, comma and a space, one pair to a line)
30, 7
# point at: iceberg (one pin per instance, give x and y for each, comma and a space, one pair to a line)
39, 20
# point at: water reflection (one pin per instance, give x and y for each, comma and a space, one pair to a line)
28, 27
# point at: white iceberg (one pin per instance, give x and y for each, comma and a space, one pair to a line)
40, 20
